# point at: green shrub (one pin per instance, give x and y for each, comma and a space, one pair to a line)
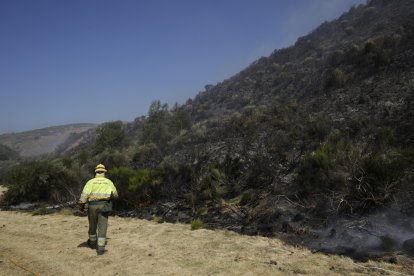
247, 197
139, 180
157, 219
83, 156
206, 185
321, 158
375, 53
147, 156
6, 153
180, 120
314, 175
156, 128
39, 181
113, 159
41, 211
67, 162
378, 179
135, 186
197, 224
110, 136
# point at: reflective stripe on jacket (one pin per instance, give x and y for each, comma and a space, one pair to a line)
98, 188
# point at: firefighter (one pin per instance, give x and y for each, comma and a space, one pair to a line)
98, 193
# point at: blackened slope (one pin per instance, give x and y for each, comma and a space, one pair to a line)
316, 120
298, 70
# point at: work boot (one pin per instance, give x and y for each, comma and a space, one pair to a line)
91, 244
101, 250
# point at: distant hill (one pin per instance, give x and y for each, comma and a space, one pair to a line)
41, 141
7, 153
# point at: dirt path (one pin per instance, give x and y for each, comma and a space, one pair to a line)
53, 245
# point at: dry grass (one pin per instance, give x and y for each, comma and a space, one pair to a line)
66, 211
48, 245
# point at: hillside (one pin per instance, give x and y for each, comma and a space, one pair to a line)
313, 144
303, 71
328, 120
41, 141
7, 153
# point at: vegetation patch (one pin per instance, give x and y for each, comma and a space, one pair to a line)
197, 224
41, 211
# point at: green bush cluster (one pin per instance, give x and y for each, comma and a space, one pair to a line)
39, 181
375, 52
162, 125
135, 186
147, 156
200, 184
340, 172
42, 210
314, 175
377, 180
110, 135
6, 153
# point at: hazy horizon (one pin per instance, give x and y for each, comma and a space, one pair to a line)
66, 62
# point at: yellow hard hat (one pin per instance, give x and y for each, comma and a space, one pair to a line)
100, 168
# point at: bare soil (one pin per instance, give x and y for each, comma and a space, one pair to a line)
55, 245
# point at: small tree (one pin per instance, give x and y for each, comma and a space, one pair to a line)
155, 128
180, 120
110, 136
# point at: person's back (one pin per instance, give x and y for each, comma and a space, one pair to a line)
98, 193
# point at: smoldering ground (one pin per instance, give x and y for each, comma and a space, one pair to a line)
383, 234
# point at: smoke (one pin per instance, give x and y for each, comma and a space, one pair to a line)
308, 17
379, 234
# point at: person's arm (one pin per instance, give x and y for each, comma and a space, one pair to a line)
114, 192
84, 196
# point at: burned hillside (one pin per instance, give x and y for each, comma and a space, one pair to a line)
315, 134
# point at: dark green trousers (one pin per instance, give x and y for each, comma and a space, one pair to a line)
98, 223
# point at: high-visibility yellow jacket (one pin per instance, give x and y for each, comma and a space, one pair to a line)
98, 188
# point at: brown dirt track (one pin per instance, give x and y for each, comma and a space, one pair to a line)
55, 245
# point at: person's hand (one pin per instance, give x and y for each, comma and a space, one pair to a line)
82, 207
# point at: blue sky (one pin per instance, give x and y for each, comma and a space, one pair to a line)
92, 61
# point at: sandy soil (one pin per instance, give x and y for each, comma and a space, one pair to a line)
55, 245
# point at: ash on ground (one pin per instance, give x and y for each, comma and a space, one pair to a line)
387, 233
